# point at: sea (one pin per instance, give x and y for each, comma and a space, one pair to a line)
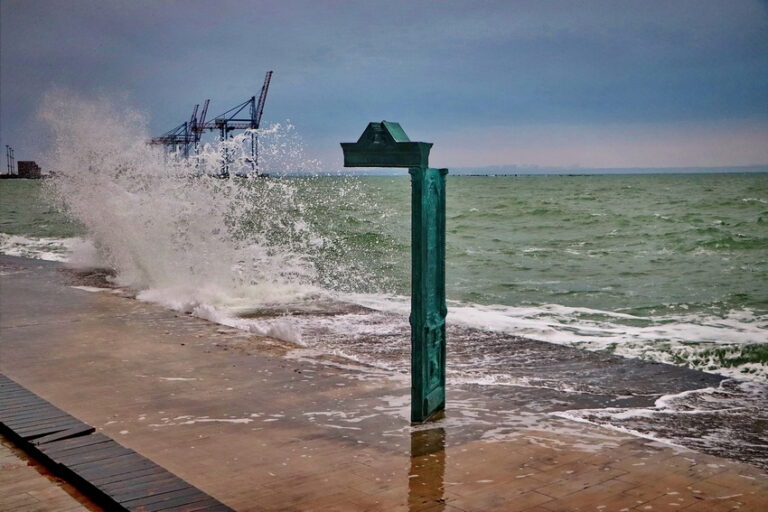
669, 268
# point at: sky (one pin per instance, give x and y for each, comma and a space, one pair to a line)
550, 83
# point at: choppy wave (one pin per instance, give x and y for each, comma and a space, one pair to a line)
51, 249
731, 344
714, 420
171, 227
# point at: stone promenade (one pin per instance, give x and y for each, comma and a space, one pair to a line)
263, 425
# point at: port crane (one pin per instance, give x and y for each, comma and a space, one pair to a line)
244, 116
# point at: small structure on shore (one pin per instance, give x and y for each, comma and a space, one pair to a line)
25, 169
29, 169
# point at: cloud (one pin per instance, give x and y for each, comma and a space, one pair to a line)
458, 65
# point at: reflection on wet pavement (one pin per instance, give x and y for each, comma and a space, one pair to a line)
426, 478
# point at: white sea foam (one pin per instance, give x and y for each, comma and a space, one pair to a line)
715, 419
668, 338
183, 238
51, 249
92, 289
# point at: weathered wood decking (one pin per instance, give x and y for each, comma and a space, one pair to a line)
110, 474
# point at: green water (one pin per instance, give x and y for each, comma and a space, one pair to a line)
672, 268
23, 211
619, 243
668, 267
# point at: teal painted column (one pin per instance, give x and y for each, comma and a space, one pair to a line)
428, 308
385, 144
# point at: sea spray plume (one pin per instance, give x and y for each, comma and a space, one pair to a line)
184, 237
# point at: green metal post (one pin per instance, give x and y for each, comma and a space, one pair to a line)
385, 144
428, 308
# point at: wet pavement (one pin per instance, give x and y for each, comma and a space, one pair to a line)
26, 486
262, 424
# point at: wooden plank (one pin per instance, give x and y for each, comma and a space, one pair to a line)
148, 490
120, 471
23, 412
11, 386
63, 451
38, 430
48, 417
138, 503
50, 427
29, 417
73, 443
132, 482
112, 466
84, 430
152, 489
105, 454
19, 394
8, 393
123, 464
11, 396
19, 400
203, 506
74, 450
14, 411
6, 385
94, 462
87, 454
184, 504
138, 473
31, 435
41, 422
184, 501
8, 410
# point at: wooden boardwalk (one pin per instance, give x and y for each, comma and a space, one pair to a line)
113, 476
26, 486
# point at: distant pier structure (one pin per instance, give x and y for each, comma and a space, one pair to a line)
184, 139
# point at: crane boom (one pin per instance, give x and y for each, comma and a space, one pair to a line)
190, 133
262, 99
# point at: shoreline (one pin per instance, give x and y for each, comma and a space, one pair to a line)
719, 352
596, 387
261, 425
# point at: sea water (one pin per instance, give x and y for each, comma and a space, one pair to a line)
670, 268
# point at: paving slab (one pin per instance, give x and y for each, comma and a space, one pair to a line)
260, 424
26, 486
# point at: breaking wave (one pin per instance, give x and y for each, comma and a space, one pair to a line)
173, 229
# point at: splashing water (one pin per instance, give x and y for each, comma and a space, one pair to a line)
675, 278
168, 227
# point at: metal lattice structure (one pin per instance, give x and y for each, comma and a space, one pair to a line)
247, 115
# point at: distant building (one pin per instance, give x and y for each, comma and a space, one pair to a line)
29, 169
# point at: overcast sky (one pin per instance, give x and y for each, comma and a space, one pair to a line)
554, 83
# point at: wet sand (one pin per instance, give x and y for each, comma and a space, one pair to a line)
264, 425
